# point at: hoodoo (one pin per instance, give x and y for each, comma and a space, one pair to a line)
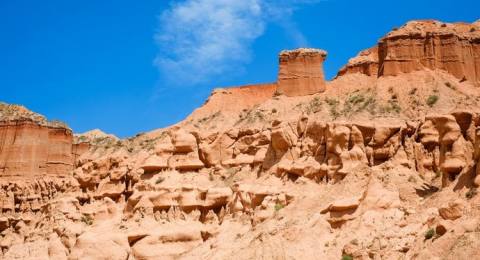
301, 72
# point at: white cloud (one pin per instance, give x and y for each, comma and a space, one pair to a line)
202, 39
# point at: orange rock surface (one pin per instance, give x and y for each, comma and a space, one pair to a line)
366, 62
380, 163
430, 44
301, 72
28, 148
235, 99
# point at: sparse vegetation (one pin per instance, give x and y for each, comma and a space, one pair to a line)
82, 139
431, 100
210, 117
314, 106
430, 233
278, 207
450, 85
392, 106
159, 180
104, 142
259, 115
87, 219
412, 179
277, 93
347, 257
471, 193
358, 102
251, 116
333, 107
413, 91
228, 177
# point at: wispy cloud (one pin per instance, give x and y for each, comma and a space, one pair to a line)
202, 39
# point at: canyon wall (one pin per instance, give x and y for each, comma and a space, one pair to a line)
301, 72
424, 44
28, 149
36, 163
433, 45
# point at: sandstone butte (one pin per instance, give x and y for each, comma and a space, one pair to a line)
379, 163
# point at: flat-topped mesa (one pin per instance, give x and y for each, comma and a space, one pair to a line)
430, 44
301, 72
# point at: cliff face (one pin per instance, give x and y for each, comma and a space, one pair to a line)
27, 149
301, 72
433, 45
419, 45
366, 62
368, 166
350, 174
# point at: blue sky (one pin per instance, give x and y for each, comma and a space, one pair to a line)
132, 66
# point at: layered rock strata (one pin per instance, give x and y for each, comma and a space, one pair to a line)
424, 44
301, 72
31, 149
366, 62
432, 45
440, 145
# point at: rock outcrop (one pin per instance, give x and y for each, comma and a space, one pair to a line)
301, 72
432, 45
420, 45
267, 170
366, 62
28, 148
234, 99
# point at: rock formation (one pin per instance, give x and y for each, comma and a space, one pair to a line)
235, 99
380, 163
420, 45
366, 62
301, 72
433, 45
28, 148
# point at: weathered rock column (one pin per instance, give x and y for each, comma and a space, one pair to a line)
301, 72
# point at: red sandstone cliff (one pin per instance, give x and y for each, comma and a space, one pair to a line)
301, 72
425, 44
366, 62
284, 176
32, 146
432, 44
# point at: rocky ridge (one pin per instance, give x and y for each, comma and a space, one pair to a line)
369, 166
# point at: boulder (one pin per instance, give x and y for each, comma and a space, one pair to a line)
155, 163
183, 141
453, 210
